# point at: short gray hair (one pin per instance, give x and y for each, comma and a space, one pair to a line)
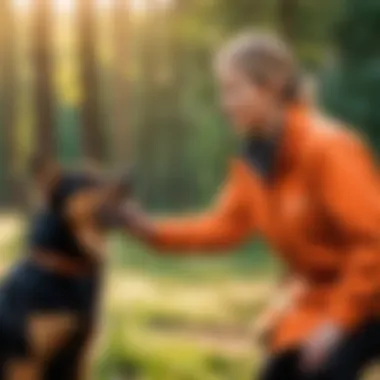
263, 57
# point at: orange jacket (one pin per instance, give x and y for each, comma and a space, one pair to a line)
321, 214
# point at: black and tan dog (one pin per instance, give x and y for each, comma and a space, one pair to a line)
49, 301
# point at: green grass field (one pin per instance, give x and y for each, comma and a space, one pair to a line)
168, 329
182, 318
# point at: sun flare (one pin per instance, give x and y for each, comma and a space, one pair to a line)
69, 5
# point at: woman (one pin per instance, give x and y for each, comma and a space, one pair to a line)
310, 187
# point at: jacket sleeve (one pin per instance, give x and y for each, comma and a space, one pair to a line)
350, 194
226, 225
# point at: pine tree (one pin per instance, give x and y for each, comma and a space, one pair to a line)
351, 89
92, 131
121, 141
44, 95
8, 99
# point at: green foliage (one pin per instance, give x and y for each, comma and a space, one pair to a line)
69, 147
352, 82
180, 142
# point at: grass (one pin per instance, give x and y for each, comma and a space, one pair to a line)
170, 318
170, 334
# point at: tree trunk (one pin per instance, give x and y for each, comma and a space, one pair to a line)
121, 134
147, 136
288, 15
44, 94
9, 85
92, 137
179, 131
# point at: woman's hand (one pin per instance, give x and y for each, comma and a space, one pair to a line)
264, 325
321, 343
137, 222
288, 294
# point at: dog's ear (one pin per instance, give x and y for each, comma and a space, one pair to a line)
45, 171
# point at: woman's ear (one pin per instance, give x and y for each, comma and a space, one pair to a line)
45, 172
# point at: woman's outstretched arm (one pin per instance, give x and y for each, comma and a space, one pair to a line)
226, 225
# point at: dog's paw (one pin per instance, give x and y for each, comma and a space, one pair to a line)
49, 333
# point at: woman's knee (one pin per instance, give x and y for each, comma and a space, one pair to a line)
280, 367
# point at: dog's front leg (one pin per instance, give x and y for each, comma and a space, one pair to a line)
23, 369
48, 333
87, 358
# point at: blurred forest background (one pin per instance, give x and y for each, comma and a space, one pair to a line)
130, 82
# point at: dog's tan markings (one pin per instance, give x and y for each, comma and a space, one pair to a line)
47, 334
87, 359
82, 212
23, 370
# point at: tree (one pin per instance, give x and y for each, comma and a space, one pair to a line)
9, 84
121, 133
150, 97
351, 87
179, 188
287, 18
44, 94
91, 125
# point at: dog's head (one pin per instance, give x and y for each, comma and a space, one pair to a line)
89, 202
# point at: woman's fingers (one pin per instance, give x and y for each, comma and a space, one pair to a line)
319, 346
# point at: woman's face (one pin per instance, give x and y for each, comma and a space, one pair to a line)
246, 104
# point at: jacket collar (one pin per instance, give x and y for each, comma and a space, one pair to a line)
295, 133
